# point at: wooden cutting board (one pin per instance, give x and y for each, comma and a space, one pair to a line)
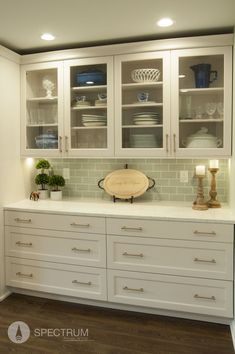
126, 183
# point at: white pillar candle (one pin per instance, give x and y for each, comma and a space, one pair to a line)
214, 164
200, 170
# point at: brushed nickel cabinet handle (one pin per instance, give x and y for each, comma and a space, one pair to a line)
125, 228
60, 144
167, 141
174, 142
79, 225
196, 296
133, 254
204, 260
66, 143
24, 275
26, 221
81, 282
81, 249
141, 290
212, 233
24, 244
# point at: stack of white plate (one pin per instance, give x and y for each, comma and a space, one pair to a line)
93, 120
143, 141
146, 118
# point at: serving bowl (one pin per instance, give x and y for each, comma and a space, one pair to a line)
91, 77
202, 139
145, 75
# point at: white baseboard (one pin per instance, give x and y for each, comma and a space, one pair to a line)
112, 305
232, 328
5, 295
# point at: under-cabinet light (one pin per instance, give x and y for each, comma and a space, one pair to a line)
165, 22
47, 37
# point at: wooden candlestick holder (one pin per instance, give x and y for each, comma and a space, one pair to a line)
213, 202
200, 203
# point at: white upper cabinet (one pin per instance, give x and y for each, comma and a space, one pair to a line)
142, 104
42, 109
89, 107
201, 101
164, 103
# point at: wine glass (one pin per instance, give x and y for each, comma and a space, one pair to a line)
220, 109
210, 109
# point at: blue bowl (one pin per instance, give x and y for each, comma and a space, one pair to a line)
90, 78
46, 141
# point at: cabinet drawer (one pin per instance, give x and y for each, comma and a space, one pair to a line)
171, 229
75, 223
176, 257
202, 296
84, 282
56, 246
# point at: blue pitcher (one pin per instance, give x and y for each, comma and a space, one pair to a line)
204, 76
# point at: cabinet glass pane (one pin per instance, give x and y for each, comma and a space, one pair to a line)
89, 106
201, 102
142, 104
42, 109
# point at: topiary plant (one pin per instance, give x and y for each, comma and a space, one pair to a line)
42, 165
56, 181
42, 179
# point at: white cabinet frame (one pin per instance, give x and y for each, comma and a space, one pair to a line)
199, 152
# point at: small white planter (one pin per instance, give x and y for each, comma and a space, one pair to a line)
56, 195
43, 193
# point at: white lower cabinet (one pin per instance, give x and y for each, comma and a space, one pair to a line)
159, 264
201, 296
63, 279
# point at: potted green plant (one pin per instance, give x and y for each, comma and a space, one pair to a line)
55, 182
42, 178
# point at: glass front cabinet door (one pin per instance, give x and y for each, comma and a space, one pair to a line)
142, 101
201, 102
89, 107
42, 109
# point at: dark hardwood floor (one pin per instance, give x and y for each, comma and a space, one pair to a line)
109, 331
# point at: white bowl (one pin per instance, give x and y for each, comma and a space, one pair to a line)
145, 75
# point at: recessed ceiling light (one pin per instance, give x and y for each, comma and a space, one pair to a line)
165, 22
47, 37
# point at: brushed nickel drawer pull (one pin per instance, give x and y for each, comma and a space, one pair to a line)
79, 225
141, 290
133, 254
167, 146
23, 220
81, 249
24, 244
66, 143
205, 297
174, 141
81, 282
205, 260
126, 228
24, 275
212, 233
60, 144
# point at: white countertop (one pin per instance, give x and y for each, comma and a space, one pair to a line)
178, 211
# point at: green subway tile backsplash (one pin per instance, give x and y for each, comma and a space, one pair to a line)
85, 174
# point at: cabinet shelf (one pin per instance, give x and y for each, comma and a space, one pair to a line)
84, 128
42, 125
136, 85
88, 107
134, 105
89, 88
201, 120
195, 91
43, 99
143, 126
